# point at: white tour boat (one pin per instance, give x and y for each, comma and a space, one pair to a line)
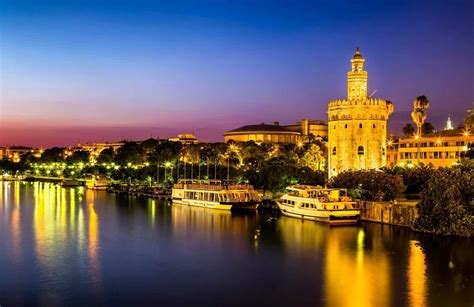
332, 206
96, 182
215, 194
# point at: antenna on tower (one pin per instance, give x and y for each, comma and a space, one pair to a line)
372, 94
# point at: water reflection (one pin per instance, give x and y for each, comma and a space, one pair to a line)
416, 275
356, 273
208, 225
65, 246
93, 222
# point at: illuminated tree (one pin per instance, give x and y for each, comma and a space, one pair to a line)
313, 158
420, 105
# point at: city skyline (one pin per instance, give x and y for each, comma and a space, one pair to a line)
91, 72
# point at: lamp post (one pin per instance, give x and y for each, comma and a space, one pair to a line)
158, 173
417, 143
164, 180
228, 166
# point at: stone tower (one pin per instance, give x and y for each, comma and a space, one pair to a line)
357, 126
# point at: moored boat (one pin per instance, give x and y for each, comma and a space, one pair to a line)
96, 182
215, 194
332, 206
70, 183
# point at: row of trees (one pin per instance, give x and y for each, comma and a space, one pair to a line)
270, 167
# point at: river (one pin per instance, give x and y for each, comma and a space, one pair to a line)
71, 246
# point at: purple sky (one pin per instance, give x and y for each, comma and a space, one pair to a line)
92, 71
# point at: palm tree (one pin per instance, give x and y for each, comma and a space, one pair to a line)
420, 105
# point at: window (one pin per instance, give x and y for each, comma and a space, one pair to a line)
345, 126
360, 125
373, 126
360, 150
334, 151
383, 151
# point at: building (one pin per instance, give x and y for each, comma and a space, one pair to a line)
186, 139
357, 126
263, 134
276, 133
14, 153
317, 128
440, 149
449, 124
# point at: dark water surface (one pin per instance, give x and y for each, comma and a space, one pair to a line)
70, 246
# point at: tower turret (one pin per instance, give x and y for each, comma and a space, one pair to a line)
357, 78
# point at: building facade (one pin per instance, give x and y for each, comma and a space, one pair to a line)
357, 126
275, 133
440, 149
317, 128
186, 139
263, 134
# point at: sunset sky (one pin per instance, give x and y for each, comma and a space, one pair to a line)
105, 70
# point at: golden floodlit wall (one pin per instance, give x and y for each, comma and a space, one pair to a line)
357, 126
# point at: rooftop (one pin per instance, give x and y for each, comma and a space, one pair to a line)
262, 127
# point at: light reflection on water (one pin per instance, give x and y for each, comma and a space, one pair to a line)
76, 246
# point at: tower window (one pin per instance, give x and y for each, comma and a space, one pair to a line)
334, 151
383, 151
373, 125
334, 127
360, 150
345, 126
360, 125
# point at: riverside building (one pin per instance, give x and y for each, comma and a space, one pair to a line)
357, 126
440, 149
301, 131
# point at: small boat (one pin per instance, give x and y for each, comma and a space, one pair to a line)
70, 183
215, 194
332, 206
96, 182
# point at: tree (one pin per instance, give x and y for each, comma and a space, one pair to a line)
369, 185
417, 178
313, 158
420, 105
79, 156
408, 130
106, 156
54, 154
447, 205
130, 152
427, 128
150, 145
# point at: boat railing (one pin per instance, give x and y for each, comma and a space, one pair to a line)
211, 185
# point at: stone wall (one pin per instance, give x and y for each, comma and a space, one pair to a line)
401, 213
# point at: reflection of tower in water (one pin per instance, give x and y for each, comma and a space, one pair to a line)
362, 274
416, 273
354, 274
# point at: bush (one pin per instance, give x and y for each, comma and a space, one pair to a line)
446, 205
369, 185
416, 179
